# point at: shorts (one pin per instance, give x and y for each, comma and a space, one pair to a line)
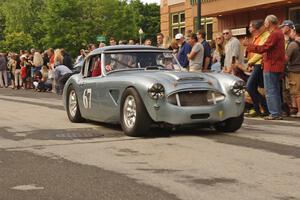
294, 83
195, 69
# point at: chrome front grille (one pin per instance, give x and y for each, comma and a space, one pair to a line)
195, 98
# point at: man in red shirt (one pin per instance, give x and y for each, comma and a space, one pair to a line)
273, 51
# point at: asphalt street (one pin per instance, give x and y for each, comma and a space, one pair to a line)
44, 156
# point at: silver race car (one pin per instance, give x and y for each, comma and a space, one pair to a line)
139, 86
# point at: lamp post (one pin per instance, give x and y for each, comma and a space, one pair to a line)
141, 32
198, 14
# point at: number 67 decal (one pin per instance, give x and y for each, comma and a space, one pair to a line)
87, 98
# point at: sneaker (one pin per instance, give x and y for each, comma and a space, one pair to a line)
264, 114
297, 115
270, 117
250, 112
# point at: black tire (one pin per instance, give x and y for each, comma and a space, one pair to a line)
142, 120
231, 124
76, 116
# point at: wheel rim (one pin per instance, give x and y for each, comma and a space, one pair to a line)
129, 111
72, 103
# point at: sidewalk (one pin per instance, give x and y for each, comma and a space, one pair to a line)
29, 93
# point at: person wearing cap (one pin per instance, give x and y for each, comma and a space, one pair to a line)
184, 50
286, 27
293, 59
273, 60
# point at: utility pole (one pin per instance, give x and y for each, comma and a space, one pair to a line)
198, 15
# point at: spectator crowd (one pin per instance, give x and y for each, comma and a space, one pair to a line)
268, 60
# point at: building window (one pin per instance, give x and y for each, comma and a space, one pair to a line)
294, 15
177, 23
207, 25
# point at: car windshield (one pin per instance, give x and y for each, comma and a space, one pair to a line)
140, 60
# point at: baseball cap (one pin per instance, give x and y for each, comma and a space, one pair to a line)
178, 36
22, 56
288, 23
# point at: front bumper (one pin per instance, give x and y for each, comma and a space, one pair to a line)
162, 111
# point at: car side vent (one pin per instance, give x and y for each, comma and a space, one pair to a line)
114, 95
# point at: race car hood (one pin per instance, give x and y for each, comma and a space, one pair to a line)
174, 80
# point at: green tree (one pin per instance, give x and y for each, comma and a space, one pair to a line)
22, 16
148, 18
111, 18
72, 24
2, 26
16, 41
61, 21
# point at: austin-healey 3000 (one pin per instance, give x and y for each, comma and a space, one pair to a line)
138, 86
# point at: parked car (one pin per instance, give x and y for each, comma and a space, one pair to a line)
138, 86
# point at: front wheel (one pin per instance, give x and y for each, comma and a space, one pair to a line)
231, 124
72, 106
135, 120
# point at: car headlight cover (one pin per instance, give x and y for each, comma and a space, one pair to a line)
215, 97
156, 91
238, 88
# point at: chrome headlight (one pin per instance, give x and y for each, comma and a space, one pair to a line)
238, 88
156, 91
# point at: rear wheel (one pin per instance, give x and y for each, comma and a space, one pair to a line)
135, 120
73, 111
231, 124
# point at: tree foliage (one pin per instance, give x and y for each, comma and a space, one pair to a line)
72, 24
148, 18
16, 41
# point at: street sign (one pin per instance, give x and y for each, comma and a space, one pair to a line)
239, 31
100, 38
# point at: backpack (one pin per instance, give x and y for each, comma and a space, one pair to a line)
298, 44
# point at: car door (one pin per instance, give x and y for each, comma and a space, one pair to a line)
109, 91
88, 88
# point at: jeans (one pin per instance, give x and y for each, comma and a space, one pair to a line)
256, 80
44, 85
216, 67
18, 78
272, 88
3, 77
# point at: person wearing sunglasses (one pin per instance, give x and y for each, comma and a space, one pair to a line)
232, 50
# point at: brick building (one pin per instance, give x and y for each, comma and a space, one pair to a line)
181, 15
